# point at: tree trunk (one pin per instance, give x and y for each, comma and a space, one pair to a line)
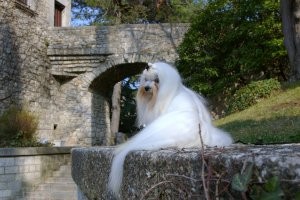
116, 110
290, 13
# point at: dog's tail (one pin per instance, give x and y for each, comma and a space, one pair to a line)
160, 133
116, 173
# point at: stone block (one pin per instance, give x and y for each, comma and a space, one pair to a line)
11, 170
177, 174
7, 162
3, 186
5, 193
5, 178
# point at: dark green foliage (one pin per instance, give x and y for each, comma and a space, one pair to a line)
17, 128
128, 106
270, 190
231, 43
252, 93
241, 180
132, 12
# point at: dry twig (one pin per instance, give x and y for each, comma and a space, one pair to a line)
206, 192
154, 186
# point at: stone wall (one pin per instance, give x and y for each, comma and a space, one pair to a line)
177, 174
24, 65
24, 168
88, 61
66, 75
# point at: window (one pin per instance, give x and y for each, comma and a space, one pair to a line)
58, 13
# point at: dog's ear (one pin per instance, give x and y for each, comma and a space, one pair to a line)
148, 66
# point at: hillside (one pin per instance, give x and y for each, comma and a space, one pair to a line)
272, 120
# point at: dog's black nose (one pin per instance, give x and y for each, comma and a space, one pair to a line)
147, 88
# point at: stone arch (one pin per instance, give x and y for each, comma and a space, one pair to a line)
116, 62
100, 83
83, 109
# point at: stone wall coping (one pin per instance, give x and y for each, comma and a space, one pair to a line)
144, 169
33, 151
121, 26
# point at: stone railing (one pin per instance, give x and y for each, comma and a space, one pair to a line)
177, 174
24, 168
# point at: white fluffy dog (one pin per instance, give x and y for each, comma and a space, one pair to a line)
172, 114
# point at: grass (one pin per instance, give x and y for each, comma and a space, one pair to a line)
272, 120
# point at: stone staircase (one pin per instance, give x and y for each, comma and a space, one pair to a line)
60, 186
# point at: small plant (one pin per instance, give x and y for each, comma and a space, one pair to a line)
18, 127
241, 182
252, 93
47, 43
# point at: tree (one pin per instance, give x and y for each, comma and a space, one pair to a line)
128, 106
115, 110
290, 21
133, 11
231, 43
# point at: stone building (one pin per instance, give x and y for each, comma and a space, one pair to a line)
24, 64
54, 12
64, 75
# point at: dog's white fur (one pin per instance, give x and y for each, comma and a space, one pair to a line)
172, 114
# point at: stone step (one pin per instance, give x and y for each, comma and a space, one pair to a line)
59, 179
60, 186
58, 195
56, 187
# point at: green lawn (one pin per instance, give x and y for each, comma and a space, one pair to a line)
272, 120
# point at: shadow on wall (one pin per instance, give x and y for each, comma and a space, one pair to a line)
10, 78
10, 67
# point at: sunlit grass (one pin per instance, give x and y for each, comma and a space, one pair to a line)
272, 120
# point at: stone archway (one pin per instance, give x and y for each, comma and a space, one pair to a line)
83, 116
102, 88
87, 61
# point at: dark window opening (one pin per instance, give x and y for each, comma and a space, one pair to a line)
58, 13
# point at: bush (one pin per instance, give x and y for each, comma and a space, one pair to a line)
252, 93
18, 127
231, 43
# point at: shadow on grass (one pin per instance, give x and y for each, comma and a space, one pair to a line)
268, 131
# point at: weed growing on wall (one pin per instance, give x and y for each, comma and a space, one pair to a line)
18, 127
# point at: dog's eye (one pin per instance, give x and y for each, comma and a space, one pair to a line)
156, 80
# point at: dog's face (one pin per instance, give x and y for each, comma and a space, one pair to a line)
149, 83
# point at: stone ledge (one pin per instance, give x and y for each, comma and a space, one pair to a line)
170, 171
29, 151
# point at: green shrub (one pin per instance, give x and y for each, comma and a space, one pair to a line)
18, 127
251, 94
231, 43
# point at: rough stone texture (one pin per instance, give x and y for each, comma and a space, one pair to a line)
59, 186
22, 169
88, 61
24, 77
176, 174
65, 75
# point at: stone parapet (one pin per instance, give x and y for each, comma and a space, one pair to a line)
177, 174
24, 168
